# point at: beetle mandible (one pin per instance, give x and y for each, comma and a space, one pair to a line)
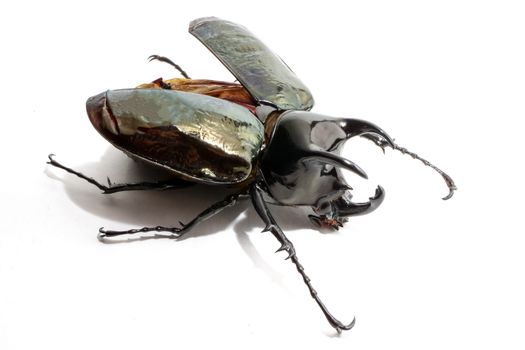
256, 136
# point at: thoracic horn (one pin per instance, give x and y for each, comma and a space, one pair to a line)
335, 160
357, 127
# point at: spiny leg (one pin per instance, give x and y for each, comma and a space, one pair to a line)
263, 211
177, 232
112, 188
170, 62
383, 144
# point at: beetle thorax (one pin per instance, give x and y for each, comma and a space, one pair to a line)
293, 163
302, 162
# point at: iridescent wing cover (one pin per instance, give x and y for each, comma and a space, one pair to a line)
257, 68
200, 138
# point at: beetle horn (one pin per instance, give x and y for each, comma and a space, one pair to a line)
335, 160
344, 207
358, 127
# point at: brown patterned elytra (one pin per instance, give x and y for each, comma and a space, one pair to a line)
257, 137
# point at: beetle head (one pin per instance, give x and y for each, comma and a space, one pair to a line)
301, 164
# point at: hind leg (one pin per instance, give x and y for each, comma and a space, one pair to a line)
113, 188
170, 62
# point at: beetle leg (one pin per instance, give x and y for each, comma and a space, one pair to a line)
263, 211
112, 188
176, 232
271, 225
170, 62
383, 144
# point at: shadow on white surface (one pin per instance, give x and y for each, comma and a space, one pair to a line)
152, 208
136, 209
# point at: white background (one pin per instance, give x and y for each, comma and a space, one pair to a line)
445, 78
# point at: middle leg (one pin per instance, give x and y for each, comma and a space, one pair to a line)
177, 232
383, 144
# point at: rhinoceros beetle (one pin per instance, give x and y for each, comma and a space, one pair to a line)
256, 136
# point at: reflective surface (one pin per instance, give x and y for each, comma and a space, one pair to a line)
301, 164
233, 92
203, 139
258, 69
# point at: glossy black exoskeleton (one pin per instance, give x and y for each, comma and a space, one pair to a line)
257, 137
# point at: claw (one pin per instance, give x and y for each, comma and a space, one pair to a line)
152, 57
170, 62
450, 193
339, 327
450, 184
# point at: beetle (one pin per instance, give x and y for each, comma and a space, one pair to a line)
256, 136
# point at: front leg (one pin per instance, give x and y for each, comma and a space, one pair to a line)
262, 209
383, 144
271, 225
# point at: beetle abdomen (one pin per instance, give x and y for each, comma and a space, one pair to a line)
232, 92
201, 138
